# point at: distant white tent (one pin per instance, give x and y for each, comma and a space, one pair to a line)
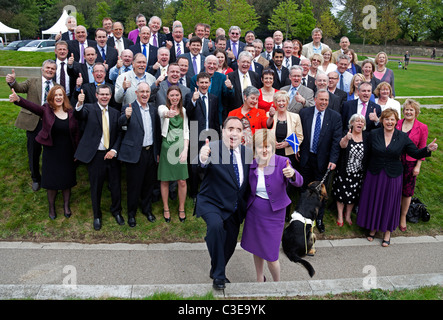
4, 29
60, 25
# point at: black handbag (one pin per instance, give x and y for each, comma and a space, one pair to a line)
417, 210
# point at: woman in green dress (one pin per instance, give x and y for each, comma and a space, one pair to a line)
174, 150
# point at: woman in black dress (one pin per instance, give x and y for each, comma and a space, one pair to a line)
59, 137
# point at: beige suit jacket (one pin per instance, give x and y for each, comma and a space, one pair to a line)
293, 126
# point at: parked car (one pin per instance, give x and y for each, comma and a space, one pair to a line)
39, 45
14, 45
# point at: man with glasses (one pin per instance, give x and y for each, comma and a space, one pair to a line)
234, 44
306, 79
332, 87
299, 96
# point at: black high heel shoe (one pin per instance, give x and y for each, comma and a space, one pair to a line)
180, 218
166, 219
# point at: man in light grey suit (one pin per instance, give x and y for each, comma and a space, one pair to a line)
299, 95
173, 78
126, 83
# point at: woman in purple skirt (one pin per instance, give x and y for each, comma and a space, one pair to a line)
380, 198
269, 175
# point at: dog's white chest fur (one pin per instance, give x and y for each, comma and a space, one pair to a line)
296, 216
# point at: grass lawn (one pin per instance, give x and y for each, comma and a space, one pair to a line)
24, 213
23, 58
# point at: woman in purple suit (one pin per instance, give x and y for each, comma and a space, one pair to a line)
269, 175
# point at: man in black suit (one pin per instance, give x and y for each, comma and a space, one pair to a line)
78, 46
195, 59
98, 148
139, 151
221, 201
281, 74
289, 60
71, 24
306, 79
320, 149
62, 77
363, 106
157, 39
255, 66
117, 40
106, 54
150, 52
202, 111
332, 87
234, 44
185, 79
179, 46
241, 79
321, 82
80, 73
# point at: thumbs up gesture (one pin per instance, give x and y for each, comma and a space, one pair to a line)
433, 145
128, 111
228, 82
288, 172
205, 151
195, 95
81, 97
349, 134
71, 60
373, 116
119, 62
13, 97
10, 78
126, 84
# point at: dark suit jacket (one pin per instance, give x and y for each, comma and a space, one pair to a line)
126, 42
198, 113
188, 56
240, 47
310, 83
111, 56
89, 90
294, 61
136, 48
44, 137
161, 39
65, 36
132, 142
172, 55
342, 94
388, 158
74, 47
278, 84
91, 115
334, 102
329, 142
237, 100
77, 68
350, 107
219, 190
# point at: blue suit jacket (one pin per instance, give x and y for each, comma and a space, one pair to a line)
330, 136
132, 141
219, 190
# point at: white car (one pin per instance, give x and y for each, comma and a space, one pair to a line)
39, 45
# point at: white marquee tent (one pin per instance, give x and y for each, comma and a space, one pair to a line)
60, 25
4, 29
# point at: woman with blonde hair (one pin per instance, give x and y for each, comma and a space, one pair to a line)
382, 72
327, 66
385, 98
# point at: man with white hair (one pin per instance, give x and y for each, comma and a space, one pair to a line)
71, 24
316, 46
234, 44
157, 39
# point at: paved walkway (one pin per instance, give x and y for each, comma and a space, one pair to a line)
133, 271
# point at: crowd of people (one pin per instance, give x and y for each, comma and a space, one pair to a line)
212, 120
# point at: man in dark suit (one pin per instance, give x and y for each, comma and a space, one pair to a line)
71, 24
26, 120
179, 46
183, 63
363, 106
241, 79
202, 111
82, 70
221, 201
289, 60
139, 151
105, 53
195, 59
281, 73
78, 46
98, 148
150, 52
320, 149
255, 66
306, 79
117, 40
157, 39
62, 77
332, 87
234, 44
321, 82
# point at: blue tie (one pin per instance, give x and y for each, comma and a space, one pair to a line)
342, 86
317, 130
235, 165
103, 54
144, 50
292, 94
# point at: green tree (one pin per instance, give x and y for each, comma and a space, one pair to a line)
193, 12
328, 25
307, 21
102, 10
387, 26
285, 18
435, 22
239, 13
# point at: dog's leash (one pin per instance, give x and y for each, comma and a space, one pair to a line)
322, 180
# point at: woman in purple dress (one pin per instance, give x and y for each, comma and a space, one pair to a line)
380, 198
269, 175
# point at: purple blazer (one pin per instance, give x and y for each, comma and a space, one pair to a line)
276, 182
418, 135
48, 118
133, 35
